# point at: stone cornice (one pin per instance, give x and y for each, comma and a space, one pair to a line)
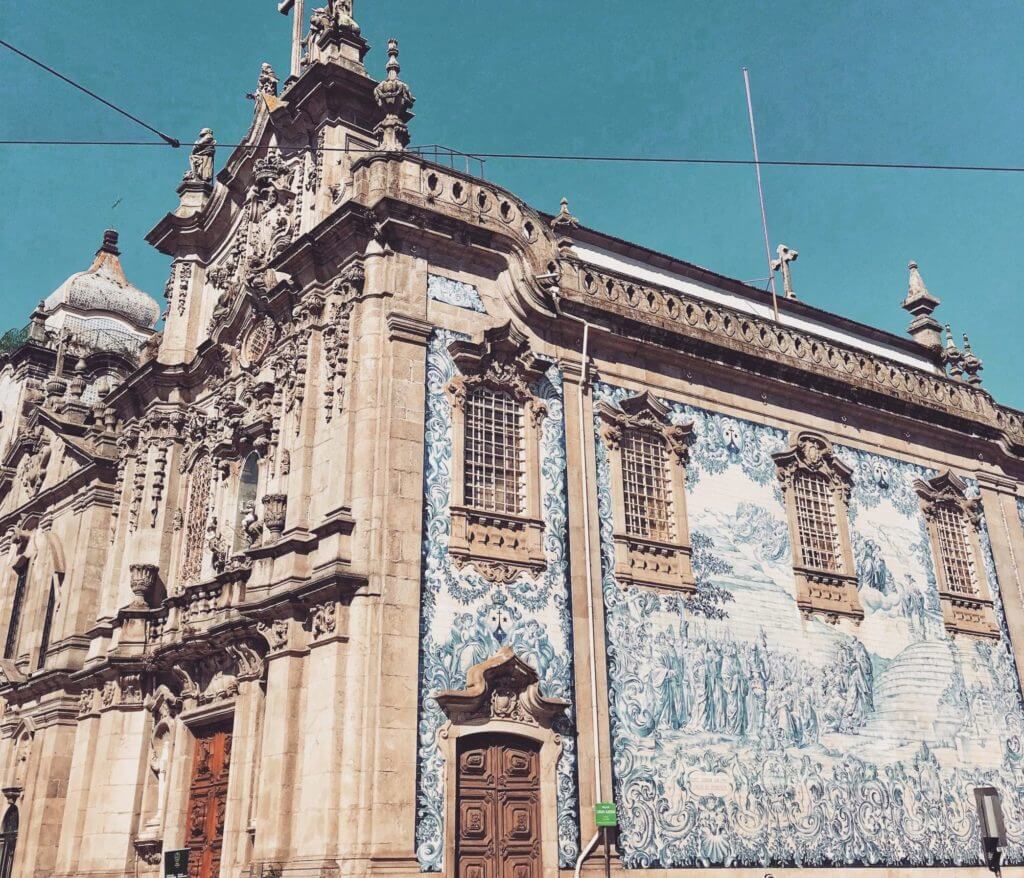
775, 351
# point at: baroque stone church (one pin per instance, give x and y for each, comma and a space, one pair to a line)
429, 520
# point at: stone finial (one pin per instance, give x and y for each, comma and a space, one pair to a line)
972, 365
109, 244
563, 219
77, 385
951, 355
924, 328
394, 97
786, 255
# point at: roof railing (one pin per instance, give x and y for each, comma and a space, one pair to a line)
445, 155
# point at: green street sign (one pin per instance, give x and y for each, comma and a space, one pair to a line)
604, 814
176, 864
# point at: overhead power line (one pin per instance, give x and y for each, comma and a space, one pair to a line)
560, 157
170, 141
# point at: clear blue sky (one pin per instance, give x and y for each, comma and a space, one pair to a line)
909, 81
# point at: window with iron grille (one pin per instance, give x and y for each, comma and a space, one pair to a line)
816, 521
195, 522
954, 550
14, 628
645, 484
493, 453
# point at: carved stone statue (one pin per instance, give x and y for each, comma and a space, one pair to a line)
267, 83
200, 162
252, 527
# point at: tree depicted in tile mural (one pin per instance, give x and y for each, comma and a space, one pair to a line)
747, 735
466, 619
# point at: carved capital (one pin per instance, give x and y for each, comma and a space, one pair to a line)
275, 508
143, 581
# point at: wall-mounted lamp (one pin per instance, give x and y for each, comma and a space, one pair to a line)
990, 822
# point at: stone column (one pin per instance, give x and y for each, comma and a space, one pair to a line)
999, 501
282, 737
83, 754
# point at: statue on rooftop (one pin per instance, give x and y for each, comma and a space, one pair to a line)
200, 162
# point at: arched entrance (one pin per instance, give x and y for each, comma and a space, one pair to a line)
8, 842
498, 815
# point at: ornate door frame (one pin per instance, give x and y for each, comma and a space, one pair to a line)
502, 697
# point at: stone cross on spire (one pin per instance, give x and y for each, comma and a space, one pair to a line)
297, 8
786, 256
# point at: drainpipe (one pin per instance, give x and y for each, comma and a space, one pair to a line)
585, 489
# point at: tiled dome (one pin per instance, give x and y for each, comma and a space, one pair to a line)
104, 287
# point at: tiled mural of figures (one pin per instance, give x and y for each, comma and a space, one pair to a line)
744, 735
465, 619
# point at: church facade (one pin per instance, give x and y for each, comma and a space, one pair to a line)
429, 520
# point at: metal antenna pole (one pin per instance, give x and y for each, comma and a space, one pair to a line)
760, 195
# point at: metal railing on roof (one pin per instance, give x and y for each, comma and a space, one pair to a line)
13, 339
445, 155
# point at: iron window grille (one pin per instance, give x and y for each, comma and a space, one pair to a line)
494, 453
816, 522
646, 492
954, 551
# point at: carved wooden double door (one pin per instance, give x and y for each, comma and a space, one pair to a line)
207, 801
498, 812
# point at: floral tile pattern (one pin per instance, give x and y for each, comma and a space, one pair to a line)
746, 736
466, 619
454, 292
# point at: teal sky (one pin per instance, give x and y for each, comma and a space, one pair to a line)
930, 82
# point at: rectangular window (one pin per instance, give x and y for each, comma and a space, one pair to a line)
954, 552
11, 646
816, 521
645, 486
51, 606
494, 452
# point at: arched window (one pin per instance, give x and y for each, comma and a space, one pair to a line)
14, 626
8, 842
248, 484
195, 520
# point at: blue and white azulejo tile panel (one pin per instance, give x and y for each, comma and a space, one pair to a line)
465, 619
746, 736
454, 292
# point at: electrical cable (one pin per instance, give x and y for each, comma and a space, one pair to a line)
170, 141
679, 160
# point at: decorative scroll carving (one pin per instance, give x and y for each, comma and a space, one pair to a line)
323, 620
828, 587
275, 633
502, 687
953, 520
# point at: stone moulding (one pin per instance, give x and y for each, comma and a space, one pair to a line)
766, 341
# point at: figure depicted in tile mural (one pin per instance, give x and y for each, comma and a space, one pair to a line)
755, 737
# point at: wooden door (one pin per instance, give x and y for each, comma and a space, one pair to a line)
498, 808
207, 801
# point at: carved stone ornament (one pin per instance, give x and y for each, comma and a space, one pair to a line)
395, 99
503, 361
503, 687
826, 589
143, 580
275, 633
150, 850
275, 508
951, 515
323, 620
